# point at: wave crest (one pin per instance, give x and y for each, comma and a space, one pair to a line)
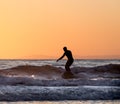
49, 72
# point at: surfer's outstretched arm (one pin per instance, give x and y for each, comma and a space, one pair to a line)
61, 57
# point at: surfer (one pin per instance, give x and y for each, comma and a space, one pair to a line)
69, 56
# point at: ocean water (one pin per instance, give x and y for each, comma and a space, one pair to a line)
32, 90
66, 102
5, 64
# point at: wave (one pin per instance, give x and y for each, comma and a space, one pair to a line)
43, 72
40, 83
49, 75
111, 68
16, 81
36, 93
48, 72
35, 83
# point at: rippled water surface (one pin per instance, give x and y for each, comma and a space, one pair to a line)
4, 64
66, 102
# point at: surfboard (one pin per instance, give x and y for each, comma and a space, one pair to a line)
68, 75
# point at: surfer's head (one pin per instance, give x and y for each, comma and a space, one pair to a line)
65, 48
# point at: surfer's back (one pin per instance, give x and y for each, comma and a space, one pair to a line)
68, 53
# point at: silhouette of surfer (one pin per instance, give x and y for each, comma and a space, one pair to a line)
70, 60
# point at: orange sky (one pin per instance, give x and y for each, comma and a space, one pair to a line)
40, 28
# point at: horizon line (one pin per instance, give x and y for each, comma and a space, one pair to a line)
62, 59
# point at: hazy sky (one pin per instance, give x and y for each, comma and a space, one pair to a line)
40, 28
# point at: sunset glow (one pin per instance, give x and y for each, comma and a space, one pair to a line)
37, 29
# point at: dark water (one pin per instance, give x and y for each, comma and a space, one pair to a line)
66, 102
97, 86
4, 64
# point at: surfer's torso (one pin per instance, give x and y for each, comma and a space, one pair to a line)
68, 53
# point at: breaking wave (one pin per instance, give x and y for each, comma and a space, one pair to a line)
49, 75
35, 83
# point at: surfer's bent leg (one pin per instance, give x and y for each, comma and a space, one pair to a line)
68, 64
